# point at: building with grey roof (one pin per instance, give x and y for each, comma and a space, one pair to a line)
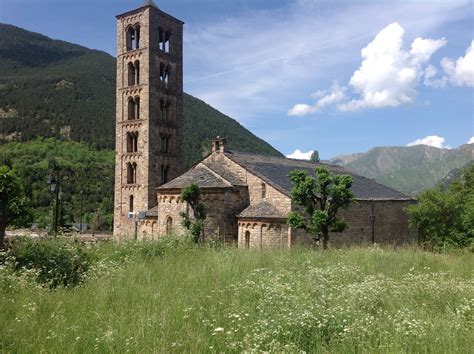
248, 198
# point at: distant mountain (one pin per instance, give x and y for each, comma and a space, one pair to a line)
51, 88
407, 169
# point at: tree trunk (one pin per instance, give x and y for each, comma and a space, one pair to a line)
324, 238
3, 226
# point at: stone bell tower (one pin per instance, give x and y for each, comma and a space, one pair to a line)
149, 110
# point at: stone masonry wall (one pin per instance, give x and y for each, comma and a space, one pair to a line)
390, 227
263, 234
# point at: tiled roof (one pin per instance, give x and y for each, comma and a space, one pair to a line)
199, 175
275, 171
262, 210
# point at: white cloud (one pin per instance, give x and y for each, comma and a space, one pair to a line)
430, 78
432, 140
389, 75
461, 72
470, 141
251, 65
299, 155
326, 98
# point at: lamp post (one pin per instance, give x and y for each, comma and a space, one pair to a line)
80, 212
53, 182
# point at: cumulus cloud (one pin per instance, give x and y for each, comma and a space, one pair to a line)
470, 141
432, 140
461, 72
299, 155
389, 75
324, 98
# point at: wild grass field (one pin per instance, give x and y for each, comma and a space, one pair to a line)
182, 298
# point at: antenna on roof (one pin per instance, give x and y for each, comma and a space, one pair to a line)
150, 3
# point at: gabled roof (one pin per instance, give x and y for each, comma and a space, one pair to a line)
262, 210
275, 171
225, 173
200, 175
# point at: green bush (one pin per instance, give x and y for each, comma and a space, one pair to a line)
57, 262
444, 216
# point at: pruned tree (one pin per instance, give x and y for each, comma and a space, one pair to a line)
14, 207
321, 196
315, 156
195, 226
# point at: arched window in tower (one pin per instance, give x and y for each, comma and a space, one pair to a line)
137, 36
129, 142
168, 114
132, 142
162, 74
131, 108
130, 40
264, 190
131, 173
167, 44
131, 74
130, 204
165, 143
135, 142
161, 39
163, 109
164, 173
169, 225
137, 72
137, 107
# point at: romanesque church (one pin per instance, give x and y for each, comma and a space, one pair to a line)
247, 196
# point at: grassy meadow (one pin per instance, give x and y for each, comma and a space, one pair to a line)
183, 298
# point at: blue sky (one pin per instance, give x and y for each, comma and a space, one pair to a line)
336, 76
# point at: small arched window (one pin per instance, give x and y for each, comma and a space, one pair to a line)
247, 239
264, 190
137, 72
132, 141
131, 108
137, 107
131, 74
130, 204
169, 225
130, 34
131, 173
137, 36
164, 173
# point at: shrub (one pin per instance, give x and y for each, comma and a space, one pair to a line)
57, 262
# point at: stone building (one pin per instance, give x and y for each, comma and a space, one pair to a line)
149, 110
247, 197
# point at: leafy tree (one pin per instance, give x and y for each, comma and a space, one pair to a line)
444, 215
14, 208
191, 195
321, 197
314, 156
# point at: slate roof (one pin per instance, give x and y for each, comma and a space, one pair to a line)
262, 210
275, 171
200, 175
225, 173
152, 213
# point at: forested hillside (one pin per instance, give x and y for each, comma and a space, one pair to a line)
407, 169
51, 88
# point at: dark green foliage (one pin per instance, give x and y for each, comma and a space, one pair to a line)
195, 226
68, 92
14, 207
80, 169
321, 197
444, 216
315, 156
57, 262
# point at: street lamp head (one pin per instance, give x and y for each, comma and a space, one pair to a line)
52, 183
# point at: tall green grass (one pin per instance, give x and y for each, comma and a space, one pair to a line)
197, 299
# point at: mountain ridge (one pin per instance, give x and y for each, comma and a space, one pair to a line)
56, 92
410, 169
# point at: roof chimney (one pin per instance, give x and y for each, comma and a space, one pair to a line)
219, 145
149, 3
